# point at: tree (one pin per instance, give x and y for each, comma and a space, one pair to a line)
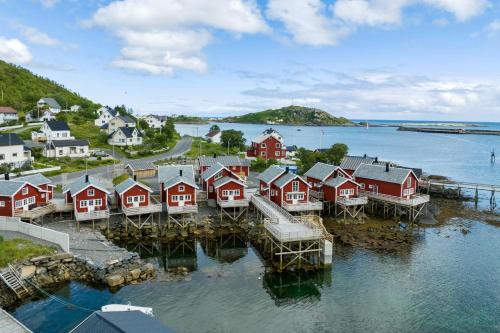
260, 164
214, 128
143, 124
336, 153
232, 138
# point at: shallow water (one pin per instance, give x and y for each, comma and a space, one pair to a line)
447, 282
461, 157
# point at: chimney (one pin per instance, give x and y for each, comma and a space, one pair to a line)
6, 176
86, 178
287, 169
215, 155
135, 177
364, 155
387, 167
180, 172
376, 159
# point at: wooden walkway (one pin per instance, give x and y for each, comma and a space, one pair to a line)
10, 324
461, 185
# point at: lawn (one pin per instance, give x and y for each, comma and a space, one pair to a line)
120, 179
69, 164
210, 149
13, 250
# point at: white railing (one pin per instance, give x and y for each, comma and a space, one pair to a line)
316, 194
352, 201
49, 235
233, 203
187, 209
93, 215
414, 200
284, 236
60, 205
302, 206
153, 207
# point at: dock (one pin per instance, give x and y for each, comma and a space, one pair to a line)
440, 186
11, 324
448, 130
293, 241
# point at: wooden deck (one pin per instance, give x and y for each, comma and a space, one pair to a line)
35, 212
233, 203
9, 324
187, 209
94, 215
414, 200
153, 207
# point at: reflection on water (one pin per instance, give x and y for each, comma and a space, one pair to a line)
226, 249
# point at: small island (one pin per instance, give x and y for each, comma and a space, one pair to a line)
182, 119
291, 115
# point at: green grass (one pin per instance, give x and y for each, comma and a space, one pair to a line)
120, 179
69, 164
88, 131
209, 149
13, 250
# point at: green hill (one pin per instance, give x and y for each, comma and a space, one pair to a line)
22, 89
291, 115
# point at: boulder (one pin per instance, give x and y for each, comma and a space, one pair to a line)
61, 256
135, 273
115, 280
41, 270
148, 268
28, 272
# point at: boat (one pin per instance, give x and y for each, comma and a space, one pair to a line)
127, 307
298, 129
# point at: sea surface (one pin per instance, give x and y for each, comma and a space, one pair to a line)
461, 157
445, 282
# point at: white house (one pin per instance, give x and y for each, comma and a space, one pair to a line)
125, 136
155, 121
8, 114
213, 136
67, 148
75, 108
105, 115
47, 115
117, 122
48, 103
12, 150
52, 130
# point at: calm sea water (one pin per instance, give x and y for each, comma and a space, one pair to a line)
461, 157
447, 282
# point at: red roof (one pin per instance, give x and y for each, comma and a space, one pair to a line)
7, 109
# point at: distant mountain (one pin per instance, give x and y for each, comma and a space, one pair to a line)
291, 115
22, 89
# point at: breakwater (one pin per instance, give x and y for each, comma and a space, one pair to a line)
448, 130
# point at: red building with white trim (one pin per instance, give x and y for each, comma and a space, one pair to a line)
340, 187
321, 173
88, 197
178, 188
19, 196
268, 145
237, 165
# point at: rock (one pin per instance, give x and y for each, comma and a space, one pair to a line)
465, 231
28, 272
115, 280
61, 256
39, 259
135, 273
41, 270
148, 268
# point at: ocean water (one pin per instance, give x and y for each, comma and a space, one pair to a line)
460, 157
445, 282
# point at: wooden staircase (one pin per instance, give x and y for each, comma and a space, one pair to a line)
14, 281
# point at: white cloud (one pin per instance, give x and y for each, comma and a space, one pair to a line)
36, 36
14, 51
161, 36
48, 3
306, 21
493, 27
370, 12
461, 9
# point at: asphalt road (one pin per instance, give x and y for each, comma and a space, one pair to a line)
108, 172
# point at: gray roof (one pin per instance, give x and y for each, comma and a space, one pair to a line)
271, 173
231, 160
80, 184
353, 162
126, 119
127, 183
224, 180
140, 165
128, 131
320, 171
378, 172
68, 143
286, 178
170, 174
337, 181
120, 322
213, 170
36, 179
9, 187
57, 125
10, 139
51, 102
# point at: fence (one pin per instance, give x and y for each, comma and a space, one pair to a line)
49, 235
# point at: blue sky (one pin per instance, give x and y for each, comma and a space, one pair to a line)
362, 59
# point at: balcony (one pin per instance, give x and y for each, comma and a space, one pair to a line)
34, 211
92, 215
60, 205
153, 207
414, 200
316, 194
352, 201
303, 206
187, 209
233, 203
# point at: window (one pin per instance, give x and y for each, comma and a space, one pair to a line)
83, 203
263, 153
362, 185
211, 188
346, 192
2, 157
295, 186
142, 198
295, 196
14, 155
2, 203
97, 202
278, 145
408, 182
181, 188
218, 176
277, 153
175, 198
263, 145
90, 193
60, 152
226, 193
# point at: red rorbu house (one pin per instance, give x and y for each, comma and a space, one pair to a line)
88, 197
350, 163
22, 199
178, 189
231, 198
319, 174
237, 165
287, 190
210, 176
135, 198
268, 145
42, 182
344, 193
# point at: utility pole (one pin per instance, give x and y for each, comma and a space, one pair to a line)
228, 145
2, 95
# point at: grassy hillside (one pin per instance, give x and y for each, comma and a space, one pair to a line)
291, 115
22, 89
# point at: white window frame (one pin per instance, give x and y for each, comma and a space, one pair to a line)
90, 192
182, 188
263, 145
295, 186
97, 202
295, 196
226, 193
83, 203
408, 182
25, 190
277, 153
262, 153
2, 203
278, 145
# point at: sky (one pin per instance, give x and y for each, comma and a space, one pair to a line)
361, 59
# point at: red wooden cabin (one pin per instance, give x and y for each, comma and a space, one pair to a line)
177, 184
131, 194
268, 145
340, 187
17, 196
267, 177
322, 172
387, 180
211, 175
237, 165
229, 189
42, 182
89, 198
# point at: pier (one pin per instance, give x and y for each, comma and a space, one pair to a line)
293, 241
441, 186
11, 324
389, 205
448, 130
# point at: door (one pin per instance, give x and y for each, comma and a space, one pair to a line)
230, 195
135, 202
90, 206
181, 200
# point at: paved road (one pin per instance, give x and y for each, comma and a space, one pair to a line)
107, 172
